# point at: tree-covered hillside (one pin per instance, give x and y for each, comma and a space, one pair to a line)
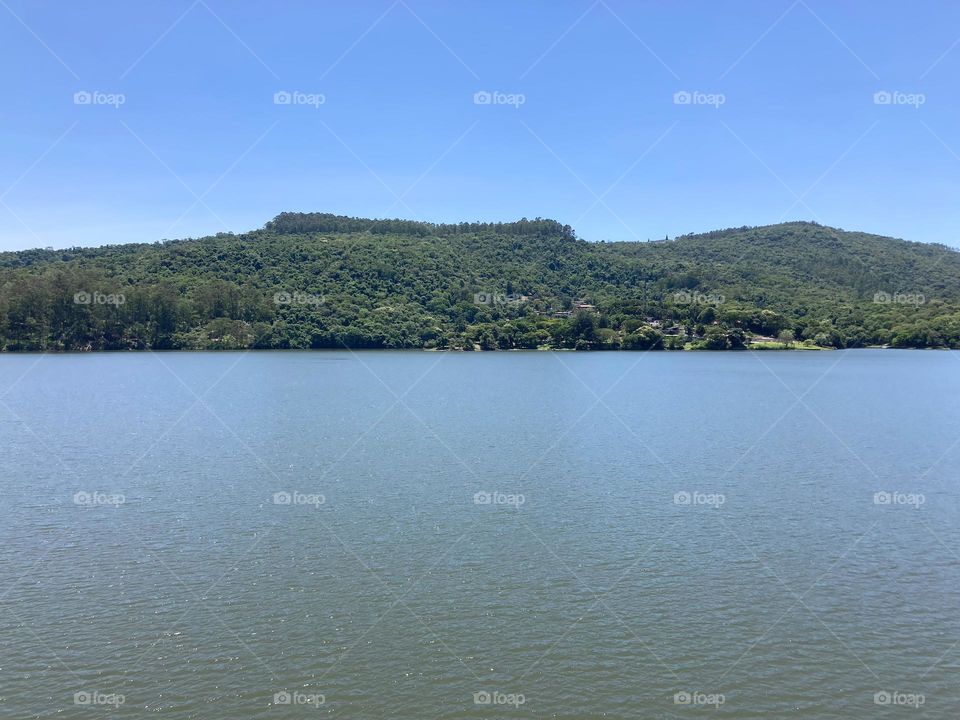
312, 280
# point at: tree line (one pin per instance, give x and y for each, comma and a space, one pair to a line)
323, 281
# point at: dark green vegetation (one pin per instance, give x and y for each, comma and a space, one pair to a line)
324, 281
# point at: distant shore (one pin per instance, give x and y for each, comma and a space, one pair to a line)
798, 347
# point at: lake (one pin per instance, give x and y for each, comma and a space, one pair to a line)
435, 535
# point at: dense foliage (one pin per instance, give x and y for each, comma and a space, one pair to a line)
326, 281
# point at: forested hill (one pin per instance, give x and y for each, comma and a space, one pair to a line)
316, 280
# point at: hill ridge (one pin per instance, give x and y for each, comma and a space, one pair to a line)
315, 280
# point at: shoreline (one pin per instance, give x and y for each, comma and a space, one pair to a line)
15, 353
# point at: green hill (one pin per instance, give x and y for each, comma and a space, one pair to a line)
324, 281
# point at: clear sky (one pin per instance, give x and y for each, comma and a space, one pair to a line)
182, 136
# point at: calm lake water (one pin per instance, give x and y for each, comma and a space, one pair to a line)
424, 535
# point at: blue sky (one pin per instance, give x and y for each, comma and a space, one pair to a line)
586, 128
